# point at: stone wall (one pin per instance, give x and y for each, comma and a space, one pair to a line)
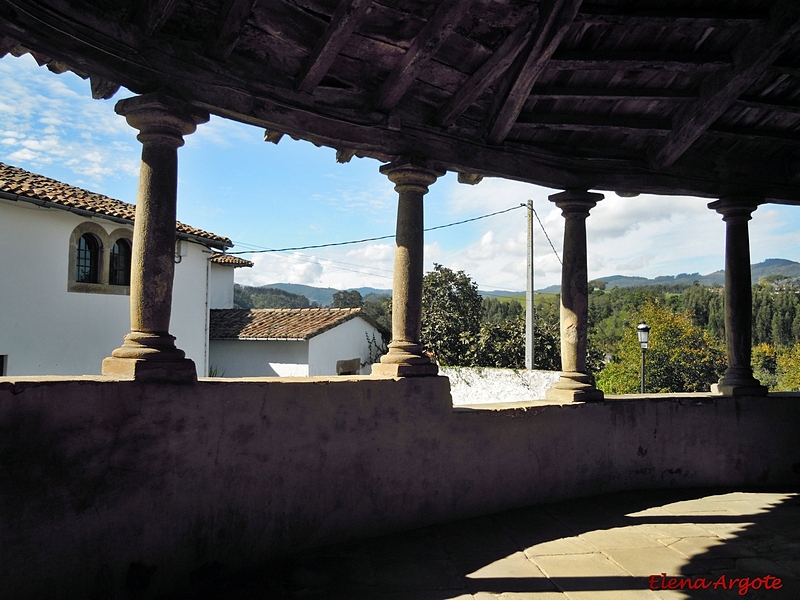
124, 489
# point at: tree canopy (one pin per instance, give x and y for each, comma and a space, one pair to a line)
681, 357
451, 314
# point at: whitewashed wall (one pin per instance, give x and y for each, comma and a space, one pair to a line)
220, 286
348, 340
190, 317
46, 330
259, 358
485, 385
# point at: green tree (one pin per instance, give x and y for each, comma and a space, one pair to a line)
380, 309
788, 368
764, 360
451, 315
682, 357
347, 299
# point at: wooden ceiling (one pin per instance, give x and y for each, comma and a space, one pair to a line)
694, 97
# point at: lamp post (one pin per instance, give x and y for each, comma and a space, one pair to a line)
643, 330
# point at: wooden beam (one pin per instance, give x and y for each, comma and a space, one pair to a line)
436, 30
555, 18
636, 61
150, 15
591, 93
753, 55
609, 15
488, 72
766, 104
609, 124
348, 15
753, 135
228, 28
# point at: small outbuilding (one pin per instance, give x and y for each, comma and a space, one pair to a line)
293, 342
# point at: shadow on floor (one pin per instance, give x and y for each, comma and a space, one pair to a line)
615, 546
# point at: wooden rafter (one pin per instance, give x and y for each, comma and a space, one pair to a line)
592, 93
766, 104
487, 73
555, 18
150, 15
435, 31
593, 123
753, 55
348, 15
609, 15
228, 28
636, 61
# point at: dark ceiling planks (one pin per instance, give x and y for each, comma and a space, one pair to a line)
347, 17
434, 33
557, 92
751, 57
228, 28
151, 15
556, 16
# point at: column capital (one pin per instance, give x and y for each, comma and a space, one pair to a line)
161, 118
736, 207
576, 202
411, 174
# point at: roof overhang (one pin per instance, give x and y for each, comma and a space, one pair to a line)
651, 97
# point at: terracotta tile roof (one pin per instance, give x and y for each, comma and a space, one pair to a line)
278, 323
231, 260
40, 190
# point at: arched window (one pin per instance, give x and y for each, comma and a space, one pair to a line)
120, 271
88, 259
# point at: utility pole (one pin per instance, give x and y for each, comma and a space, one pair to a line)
529, 309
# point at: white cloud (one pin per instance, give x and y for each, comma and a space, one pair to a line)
55, 121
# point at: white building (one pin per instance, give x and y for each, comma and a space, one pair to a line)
65, 272
292, 342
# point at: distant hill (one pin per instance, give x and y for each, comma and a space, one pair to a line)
323, 296
771, 266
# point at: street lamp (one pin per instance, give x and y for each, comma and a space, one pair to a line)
643, 329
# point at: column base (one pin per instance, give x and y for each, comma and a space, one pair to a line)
168, 371
405, 359
739, 381
573, 387
150, 357
404, 370
739, 388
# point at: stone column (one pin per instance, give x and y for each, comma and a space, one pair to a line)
405, 356
738, 380
574, 384
148, 351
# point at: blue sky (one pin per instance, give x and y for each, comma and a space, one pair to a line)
263, 195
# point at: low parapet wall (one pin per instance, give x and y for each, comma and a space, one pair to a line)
110, 488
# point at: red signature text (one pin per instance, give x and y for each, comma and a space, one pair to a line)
742, 585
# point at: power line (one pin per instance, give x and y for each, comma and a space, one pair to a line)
545, 232
375, 239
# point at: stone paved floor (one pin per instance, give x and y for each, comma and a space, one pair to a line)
606, 547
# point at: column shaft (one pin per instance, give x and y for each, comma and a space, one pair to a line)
405, 356
153, 259
574, 384
148, 352
738, 379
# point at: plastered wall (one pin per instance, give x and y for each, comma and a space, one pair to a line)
100, 480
